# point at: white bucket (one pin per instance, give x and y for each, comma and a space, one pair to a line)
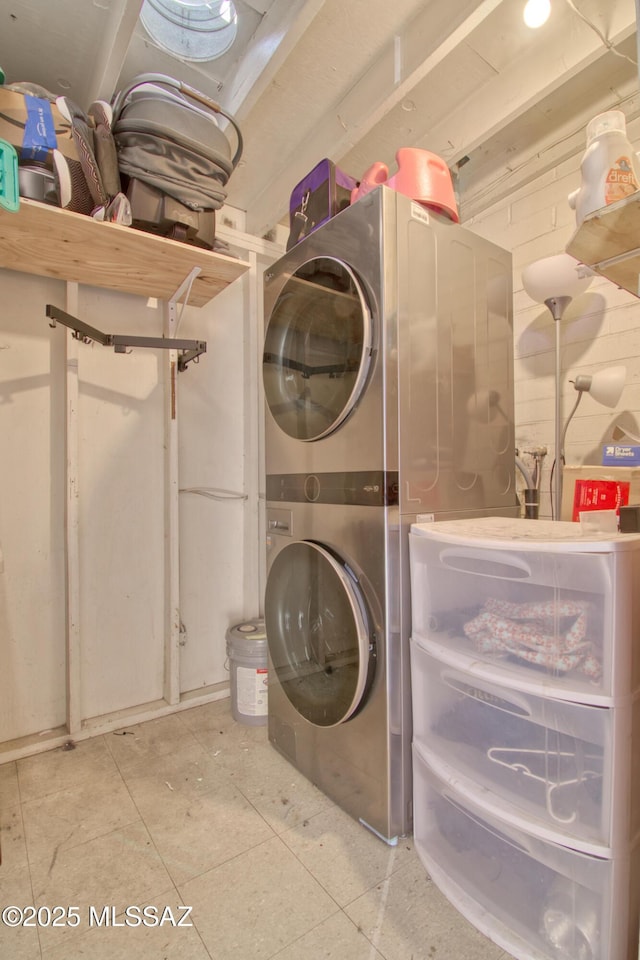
247, 653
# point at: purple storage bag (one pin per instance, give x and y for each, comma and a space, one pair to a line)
325, 191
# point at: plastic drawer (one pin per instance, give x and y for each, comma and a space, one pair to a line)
545, 614
536, 899
547, 760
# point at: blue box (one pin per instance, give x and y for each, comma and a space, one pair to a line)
620, 454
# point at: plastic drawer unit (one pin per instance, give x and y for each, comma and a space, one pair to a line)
531, 601
549, 761
526, 731
534, 898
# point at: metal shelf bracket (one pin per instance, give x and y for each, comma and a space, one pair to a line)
189, 349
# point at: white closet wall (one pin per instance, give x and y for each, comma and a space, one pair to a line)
84, 585
32, 582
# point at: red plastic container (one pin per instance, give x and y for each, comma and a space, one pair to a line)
421, 175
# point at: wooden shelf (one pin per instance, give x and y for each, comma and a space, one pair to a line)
608, 241
51, 242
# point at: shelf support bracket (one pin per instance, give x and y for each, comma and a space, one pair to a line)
185, 286
189, 349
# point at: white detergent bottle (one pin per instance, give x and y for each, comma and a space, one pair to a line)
610, 168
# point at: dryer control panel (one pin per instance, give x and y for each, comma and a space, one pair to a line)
367, 488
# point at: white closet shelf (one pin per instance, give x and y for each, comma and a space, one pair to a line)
608, 241
47, 241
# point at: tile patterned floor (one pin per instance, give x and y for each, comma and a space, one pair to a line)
195, 809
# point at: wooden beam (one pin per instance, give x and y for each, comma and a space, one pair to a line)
525, 83
123, 19
281, 28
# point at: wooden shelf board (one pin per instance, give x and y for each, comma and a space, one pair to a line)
607, 234
51, 242
625, 274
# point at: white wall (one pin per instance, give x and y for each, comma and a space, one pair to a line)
32, 600
121, 520
213, 459
600, 328
120, 481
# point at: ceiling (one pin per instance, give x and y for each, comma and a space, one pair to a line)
355, 80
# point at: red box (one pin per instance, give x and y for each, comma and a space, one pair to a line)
599, 495
589, 486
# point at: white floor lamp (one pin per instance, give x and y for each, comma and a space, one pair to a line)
605, 386
555, 281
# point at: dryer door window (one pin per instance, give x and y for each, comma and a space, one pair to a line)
317, 632
317, 349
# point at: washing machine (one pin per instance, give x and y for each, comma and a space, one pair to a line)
388, 385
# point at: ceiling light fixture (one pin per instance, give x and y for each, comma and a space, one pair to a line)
536, 12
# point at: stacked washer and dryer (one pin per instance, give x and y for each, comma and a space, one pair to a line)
388, 381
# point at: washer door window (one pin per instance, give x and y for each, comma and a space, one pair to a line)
317, 349
317, 633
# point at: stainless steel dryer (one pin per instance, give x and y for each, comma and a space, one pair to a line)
337, 684
388, 379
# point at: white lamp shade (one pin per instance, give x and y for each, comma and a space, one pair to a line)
607, 385
553, 277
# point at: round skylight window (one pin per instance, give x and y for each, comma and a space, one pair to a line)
191, 29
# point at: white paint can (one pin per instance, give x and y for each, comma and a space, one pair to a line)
247, 653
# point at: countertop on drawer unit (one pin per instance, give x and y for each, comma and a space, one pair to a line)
511, 531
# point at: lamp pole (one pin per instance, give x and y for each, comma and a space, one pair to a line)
557, 306
555, 281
